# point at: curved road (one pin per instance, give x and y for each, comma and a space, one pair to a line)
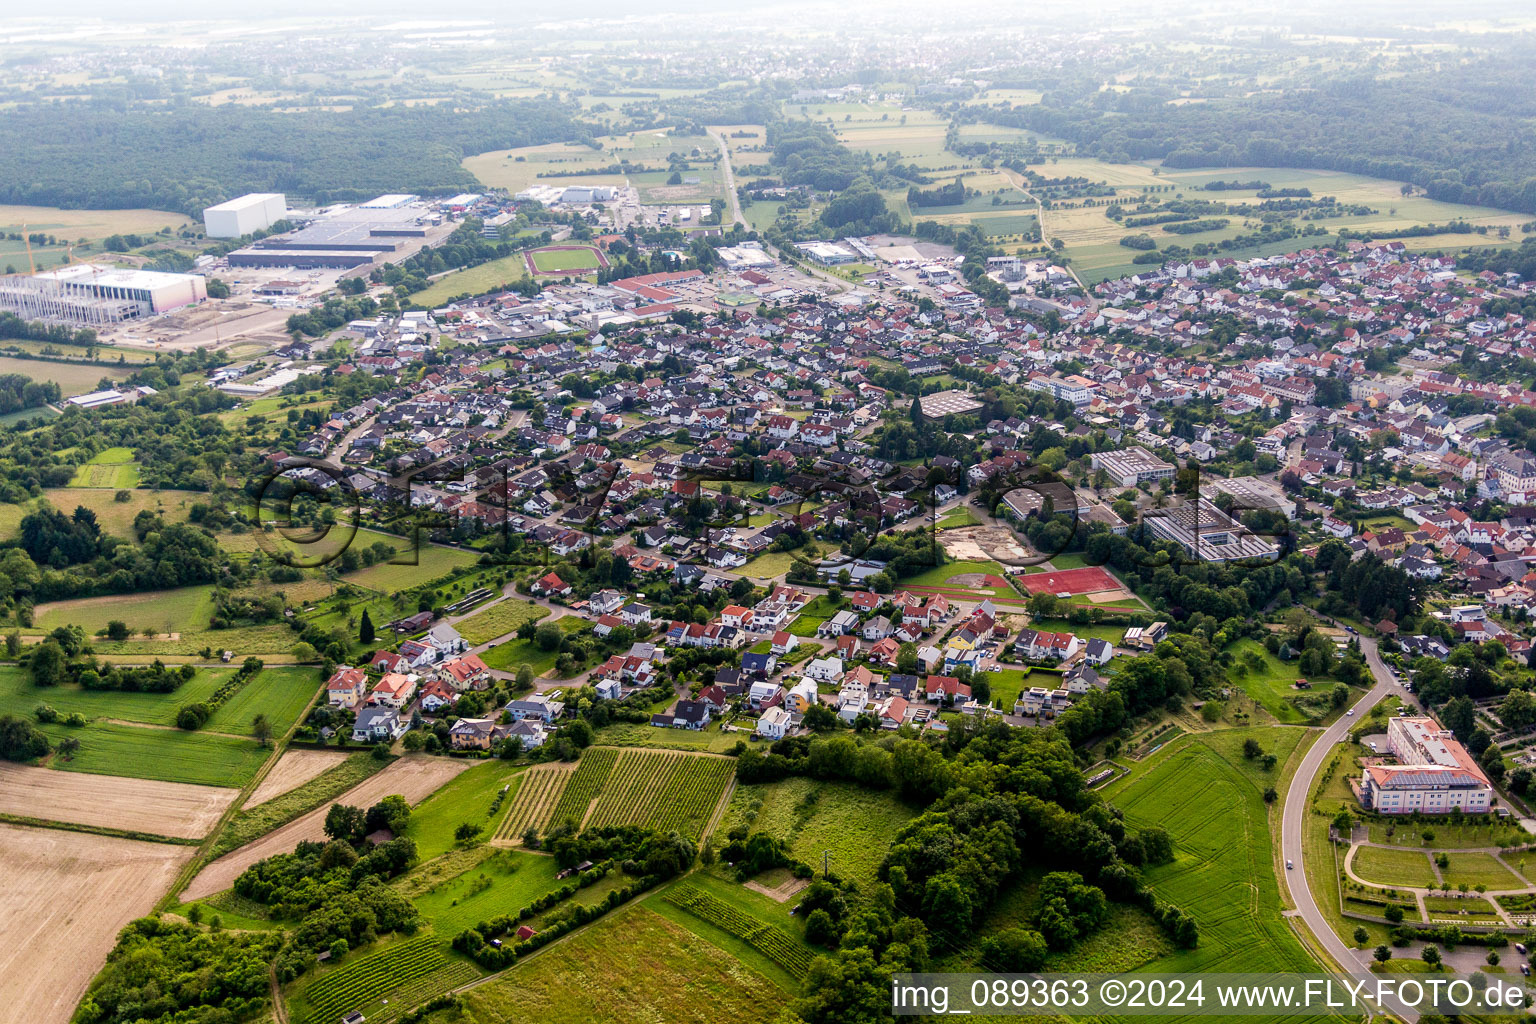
1349, 959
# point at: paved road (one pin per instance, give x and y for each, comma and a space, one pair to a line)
1353, 961
729, 177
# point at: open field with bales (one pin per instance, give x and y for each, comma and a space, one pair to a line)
66, 895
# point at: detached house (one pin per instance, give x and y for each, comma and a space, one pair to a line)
346, 687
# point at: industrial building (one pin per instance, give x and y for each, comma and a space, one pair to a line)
352, 237
827, 253
90, 295
1434, 773
1131, 467
1251, 493
1209, 534
254, 212
948, 403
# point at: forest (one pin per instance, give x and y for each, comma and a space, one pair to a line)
184, 157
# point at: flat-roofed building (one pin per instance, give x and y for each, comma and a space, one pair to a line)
1252, 493
86, 293
1209, 534
948, 403
1132, 467
256, 211
1434, 773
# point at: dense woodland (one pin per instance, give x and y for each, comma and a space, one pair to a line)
189, 156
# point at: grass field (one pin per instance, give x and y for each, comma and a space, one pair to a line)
113, 468
88, 224
515, 880
466, 799
168, 754
1271, 683
499, 620
473, 281
1209, 799
115, 517
853, 826
1394, 867
551, 261
1474, 869
19, 696
183, 610
432, 562
627, 734
597, 975
751, 927
72, 378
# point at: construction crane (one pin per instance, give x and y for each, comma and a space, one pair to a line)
31, 263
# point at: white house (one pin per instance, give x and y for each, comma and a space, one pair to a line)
773, 723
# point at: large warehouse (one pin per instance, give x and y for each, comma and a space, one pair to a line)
87, 294
352, 237
254, 212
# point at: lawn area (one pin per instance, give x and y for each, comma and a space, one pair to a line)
499, 620
756, 909
1394, 867
72, 378
632, 734
1069, 560
170, 755
180, 610
856, 825
472, 281
956, 518
774, 564
1268, 680
1223, 874
433, 561
279, 693
1008, 683
939, 575
19, 696
631, 967
503, 883
583, 260
466, 798
508, 657
1474, 869
112, 467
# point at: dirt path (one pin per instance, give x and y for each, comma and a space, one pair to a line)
414, 778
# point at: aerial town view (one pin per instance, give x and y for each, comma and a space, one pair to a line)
786, 513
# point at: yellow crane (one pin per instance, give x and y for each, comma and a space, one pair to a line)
31, 263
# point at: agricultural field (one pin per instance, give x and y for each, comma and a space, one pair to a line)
131, 805
296, 767
517, 169
468, 798
115, 517
499, 620
486, 277
592, 976
411, 777
90, 225
72, 378
591, 775
66, 896
160, 611
853, 826
432, 561
18, 692
164, 753
364, 982
1210, 801
533, 806
113, 468
281, 694
503, 883
785, 950
663, 790
278, 800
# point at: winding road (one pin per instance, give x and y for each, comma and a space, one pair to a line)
1292, 827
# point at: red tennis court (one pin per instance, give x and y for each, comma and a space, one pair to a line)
1088, 580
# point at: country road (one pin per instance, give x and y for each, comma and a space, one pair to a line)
728, 176
1292, 827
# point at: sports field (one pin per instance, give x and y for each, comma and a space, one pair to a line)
1088, 580
565, 259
